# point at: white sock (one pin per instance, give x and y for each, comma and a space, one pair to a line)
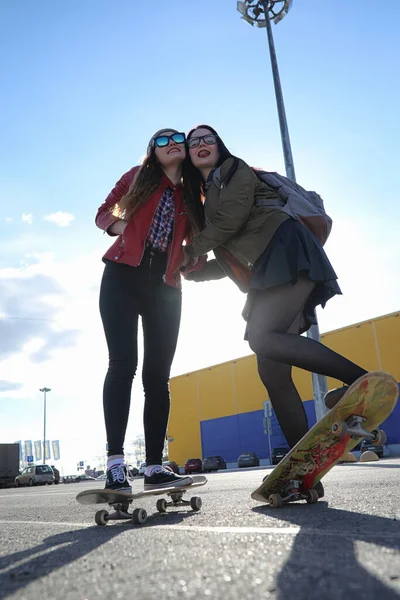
152, 469
116, 459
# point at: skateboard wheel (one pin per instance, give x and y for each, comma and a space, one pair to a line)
101, 517
339, 429
139, 516
196, 503
275, 500
380, 437
312, 496
161, 505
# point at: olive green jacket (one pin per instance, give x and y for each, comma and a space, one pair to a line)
236, 229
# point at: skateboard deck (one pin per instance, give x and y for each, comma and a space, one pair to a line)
365, 405
120, 501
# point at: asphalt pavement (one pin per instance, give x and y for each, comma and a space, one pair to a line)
345, 546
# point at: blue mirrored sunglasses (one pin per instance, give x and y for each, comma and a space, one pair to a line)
163, 140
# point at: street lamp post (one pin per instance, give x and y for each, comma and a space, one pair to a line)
262, 12
44, 390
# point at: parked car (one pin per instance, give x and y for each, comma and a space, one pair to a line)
277, 454
368, 445
56, 474
79, 478
193, 465
102, 477
172, 465
133, 471
142, 468
213, 463
35, 475
248, 459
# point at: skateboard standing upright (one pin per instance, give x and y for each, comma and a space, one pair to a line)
364, 406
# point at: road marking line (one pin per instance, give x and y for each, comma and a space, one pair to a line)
56, 523
35, 494
293, 530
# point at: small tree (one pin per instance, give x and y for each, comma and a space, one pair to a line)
139, 448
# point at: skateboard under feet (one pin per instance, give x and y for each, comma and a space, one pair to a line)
120, 502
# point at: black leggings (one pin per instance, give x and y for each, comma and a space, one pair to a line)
127, 292
273, 334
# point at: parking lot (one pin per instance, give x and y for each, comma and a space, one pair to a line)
347, 545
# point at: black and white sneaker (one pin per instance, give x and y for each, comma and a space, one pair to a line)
332, 398
163, 477
117, 479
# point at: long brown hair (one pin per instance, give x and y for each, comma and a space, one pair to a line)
146, 182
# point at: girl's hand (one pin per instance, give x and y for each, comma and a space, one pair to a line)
188, 261
118, 227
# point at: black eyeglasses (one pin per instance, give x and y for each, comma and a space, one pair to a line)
163, 140
210, 139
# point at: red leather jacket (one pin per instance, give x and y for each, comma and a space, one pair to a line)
129, 247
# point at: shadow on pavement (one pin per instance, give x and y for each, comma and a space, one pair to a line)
59, 550
323, 562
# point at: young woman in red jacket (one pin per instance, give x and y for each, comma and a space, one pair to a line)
152, 215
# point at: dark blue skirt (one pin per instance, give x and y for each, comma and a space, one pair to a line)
293, 250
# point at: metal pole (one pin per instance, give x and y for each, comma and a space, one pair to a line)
287, 150
44, 427
319, 381
44, 390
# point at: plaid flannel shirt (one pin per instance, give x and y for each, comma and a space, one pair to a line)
162, 226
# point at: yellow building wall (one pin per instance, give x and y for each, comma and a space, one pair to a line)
388, 338
184, 420
234, 387
250, 392
217, 392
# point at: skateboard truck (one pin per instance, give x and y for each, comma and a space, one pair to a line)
292, 492
353, 427
177, 500
121, 512
139, 515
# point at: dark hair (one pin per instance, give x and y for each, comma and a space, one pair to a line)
145, 183
194, 180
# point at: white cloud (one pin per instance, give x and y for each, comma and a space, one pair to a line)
7, 386
30, 303
27, 218
8, 219
62, 219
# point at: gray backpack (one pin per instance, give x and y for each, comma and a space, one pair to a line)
307, 207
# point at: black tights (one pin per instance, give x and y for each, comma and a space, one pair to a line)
127, 292
273, 334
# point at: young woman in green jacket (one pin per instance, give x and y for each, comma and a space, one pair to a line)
281, 265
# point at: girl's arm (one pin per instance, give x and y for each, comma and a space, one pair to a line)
105, 219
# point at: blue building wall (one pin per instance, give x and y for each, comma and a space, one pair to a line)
230, 436
392, 425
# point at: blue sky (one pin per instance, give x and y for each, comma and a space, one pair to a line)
85, 84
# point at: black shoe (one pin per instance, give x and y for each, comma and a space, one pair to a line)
117, 479
165, 478
332, 398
